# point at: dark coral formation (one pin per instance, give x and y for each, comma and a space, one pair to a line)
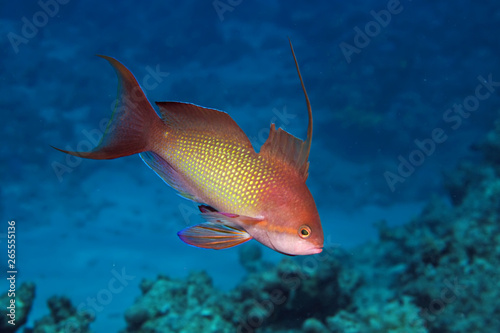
296, 291
320, 294
269, 299
24, 297
170, 305
63, 317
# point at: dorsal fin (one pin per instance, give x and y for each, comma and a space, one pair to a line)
288, 147
187, 116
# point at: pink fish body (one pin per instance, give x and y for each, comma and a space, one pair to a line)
207, 158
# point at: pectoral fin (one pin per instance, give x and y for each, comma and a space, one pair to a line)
234, 220
215, 236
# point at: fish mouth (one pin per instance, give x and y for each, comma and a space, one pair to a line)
316, 250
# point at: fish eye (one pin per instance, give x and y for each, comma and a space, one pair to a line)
304, 231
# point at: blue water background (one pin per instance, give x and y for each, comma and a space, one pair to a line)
76, 228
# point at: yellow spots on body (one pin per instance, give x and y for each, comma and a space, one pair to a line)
226, 172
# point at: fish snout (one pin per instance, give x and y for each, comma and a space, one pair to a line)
316, 250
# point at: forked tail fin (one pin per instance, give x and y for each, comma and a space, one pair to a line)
132, 123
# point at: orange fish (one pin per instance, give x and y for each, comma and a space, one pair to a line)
204, 155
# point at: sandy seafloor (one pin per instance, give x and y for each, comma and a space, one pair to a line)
73, 230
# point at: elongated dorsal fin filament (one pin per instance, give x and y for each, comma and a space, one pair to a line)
286, 147
309, 110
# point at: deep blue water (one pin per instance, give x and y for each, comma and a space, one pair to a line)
384, 79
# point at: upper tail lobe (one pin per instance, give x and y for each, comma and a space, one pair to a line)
132, 124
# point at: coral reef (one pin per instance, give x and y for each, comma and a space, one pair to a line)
379, 311
319, 294
295, 291
63, 317
266, 299
169, 305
